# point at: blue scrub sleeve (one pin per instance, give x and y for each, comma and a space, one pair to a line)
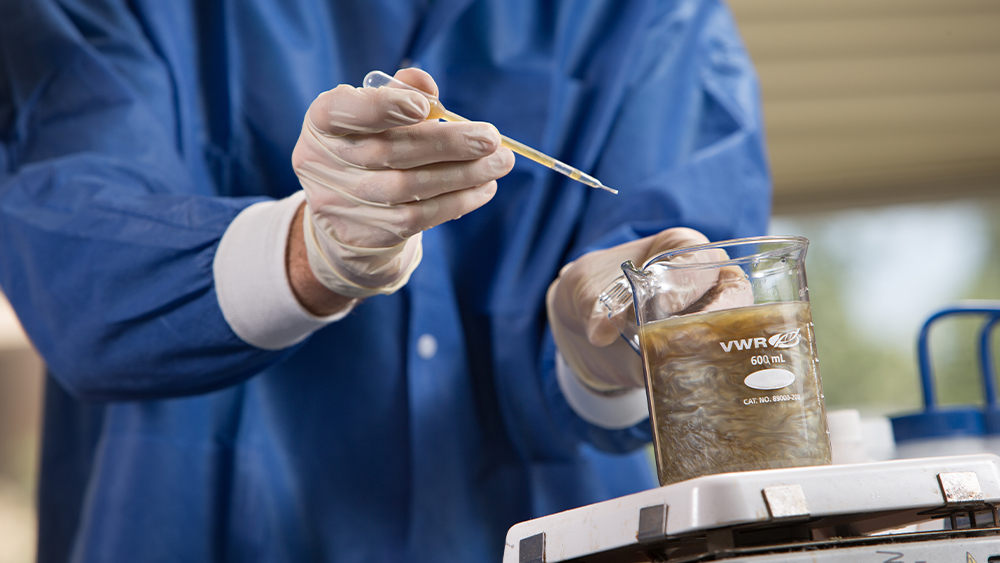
685, 148
109, 221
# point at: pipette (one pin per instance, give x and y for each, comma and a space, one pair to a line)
377, 78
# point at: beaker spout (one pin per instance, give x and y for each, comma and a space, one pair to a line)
632, 274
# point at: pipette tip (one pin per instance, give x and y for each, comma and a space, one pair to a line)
589, 180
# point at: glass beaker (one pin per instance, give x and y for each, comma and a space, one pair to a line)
726, 337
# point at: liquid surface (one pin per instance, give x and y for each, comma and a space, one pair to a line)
710, 415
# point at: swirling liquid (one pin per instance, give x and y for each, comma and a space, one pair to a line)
709, 417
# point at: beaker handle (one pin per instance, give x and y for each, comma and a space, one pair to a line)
617, 301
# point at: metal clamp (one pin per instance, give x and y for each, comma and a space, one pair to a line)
960, 487
532, 549
652, 523
785, 501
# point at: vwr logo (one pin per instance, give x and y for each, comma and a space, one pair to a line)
780, 340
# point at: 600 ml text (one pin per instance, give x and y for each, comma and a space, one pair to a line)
767, 360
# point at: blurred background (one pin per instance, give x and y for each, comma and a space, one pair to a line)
20, 402
883, 125
883, 122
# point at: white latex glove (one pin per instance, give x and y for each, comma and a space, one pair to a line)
376, 175
587, 339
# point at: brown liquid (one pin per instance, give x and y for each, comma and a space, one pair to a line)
706, 419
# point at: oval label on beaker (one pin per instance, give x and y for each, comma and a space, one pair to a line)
769, 379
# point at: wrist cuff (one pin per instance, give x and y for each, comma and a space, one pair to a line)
251, 281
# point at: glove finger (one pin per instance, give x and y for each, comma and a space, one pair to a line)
346, 110
419, 79
434, 180
584, 279
387, 187
671, 239
606, 267
733, 289
369, 226
416, 145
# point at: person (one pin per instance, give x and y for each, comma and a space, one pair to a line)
286, 320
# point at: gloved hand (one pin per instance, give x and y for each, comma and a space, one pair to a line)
376, 175
588, 340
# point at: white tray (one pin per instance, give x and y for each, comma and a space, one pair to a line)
865, 497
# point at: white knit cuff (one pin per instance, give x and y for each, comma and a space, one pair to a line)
611, 412
251, 280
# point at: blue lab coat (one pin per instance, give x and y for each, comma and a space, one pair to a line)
134, 132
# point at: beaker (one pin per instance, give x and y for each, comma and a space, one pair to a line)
729, 353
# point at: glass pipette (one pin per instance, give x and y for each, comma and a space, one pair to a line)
377, 78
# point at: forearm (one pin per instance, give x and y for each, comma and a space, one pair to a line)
118, 294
